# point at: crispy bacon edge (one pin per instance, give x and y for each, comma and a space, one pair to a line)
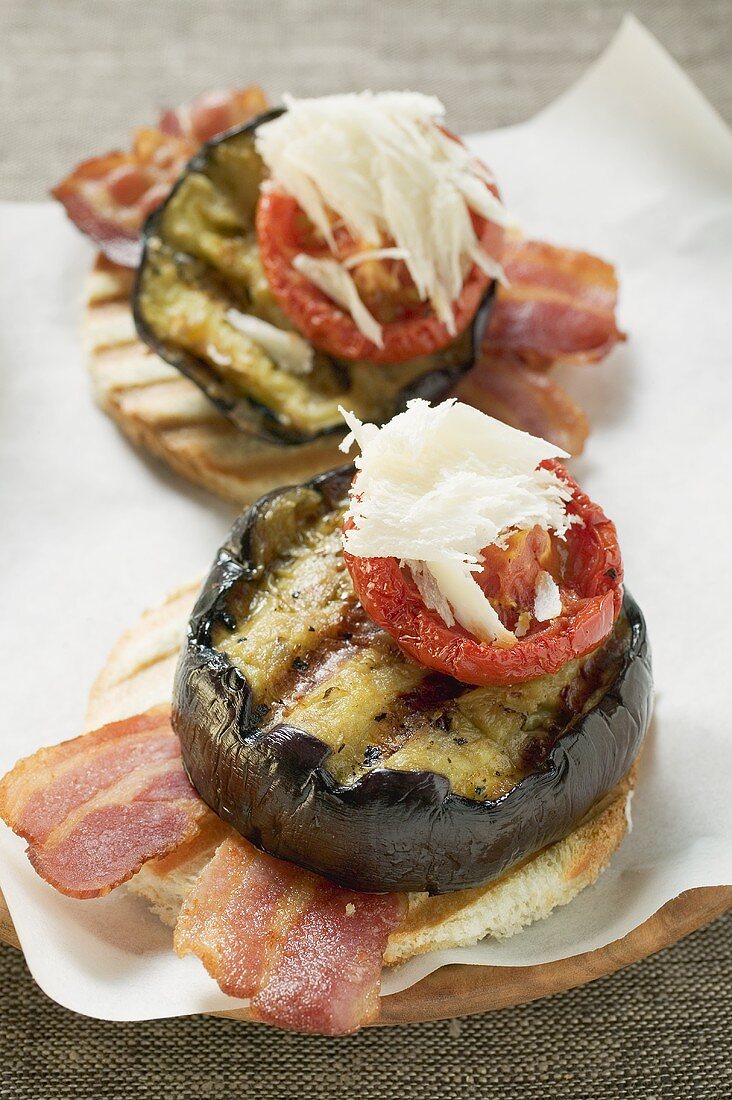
306, 954
559, 304
94, 809
213, 113
527, 399
312, 959
109, 197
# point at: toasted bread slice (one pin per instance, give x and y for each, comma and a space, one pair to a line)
139, 674
502, 908
165, 414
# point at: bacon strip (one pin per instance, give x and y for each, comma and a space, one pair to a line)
213, 113
94, 809
526, 399
306, 953
560, 304
108, 198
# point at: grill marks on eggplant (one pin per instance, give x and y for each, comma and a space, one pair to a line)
201, 258
190, 309
343, 710
305, 604
315, 661
210, 216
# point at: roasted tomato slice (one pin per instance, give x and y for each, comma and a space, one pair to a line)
410, 327
586, 566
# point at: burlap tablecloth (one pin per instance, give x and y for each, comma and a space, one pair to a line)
659, 1029
75, 75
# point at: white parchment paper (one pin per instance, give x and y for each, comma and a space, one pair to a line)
631, 163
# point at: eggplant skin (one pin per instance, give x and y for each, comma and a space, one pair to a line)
203, 261
389, 830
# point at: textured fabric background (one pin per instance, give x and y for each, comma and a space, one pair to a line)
656, 1031
75, 76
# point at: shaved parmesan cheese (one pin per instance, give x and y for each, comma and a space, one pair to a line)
288, 350
333, 279
628, 812
217, 357
429, 590
438, 485
548, 602
471, 607
521, 628
357, 258
385, 169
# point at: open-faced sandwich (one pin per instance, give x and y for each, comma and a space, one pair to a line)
405, 716
343, 250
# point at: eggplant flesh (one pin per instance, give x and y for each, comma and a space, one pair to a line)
200, 259
304, 726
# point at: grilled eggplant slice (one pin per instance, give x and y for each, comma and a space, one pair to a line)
306, 728
200, 259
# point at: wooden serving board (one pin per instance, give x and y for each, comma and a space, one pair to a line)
139, 674
464, 990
